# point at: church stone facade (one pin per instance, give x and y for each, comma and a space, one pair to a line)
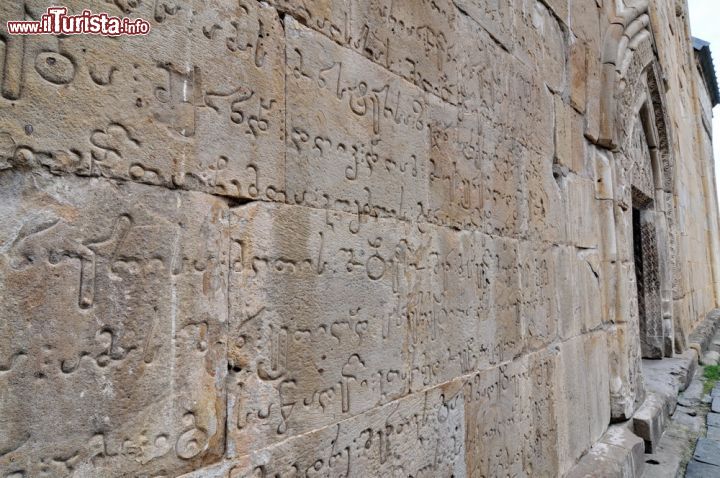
346, 238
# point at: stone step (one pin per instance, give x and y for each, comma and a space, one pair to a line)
664, 380
618, 453
702, 337
650, 419
681, 433
670, 375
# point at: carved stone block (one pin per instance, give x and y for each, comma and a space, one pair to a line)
582, 374
112, 338
203, 109
497, 17
323, 305
357, 135
422, 435
582, 213
510, 413
418, 41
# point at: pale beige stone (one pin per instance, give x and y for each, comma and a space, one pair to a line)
114, 299
349, 238
319, 330
589, 285
578, 65
420, 42
608, 290
593, 95
603, 174
580, 274
626, 386
542, 208
199, 104
539, 307
582, 374
423, 434
582, 216
460, 151
649, 421
497, 17
619, 453
373, 159
569, 325
570, 148
559, 8
523, 395
584, 21
455, 330
554, 49
438, 331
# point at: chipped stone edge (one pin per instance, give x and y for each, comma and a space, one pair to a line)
619, 452
625, 458
701, 338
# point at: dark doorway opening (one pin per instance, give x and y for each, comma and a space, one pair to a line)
637, 256
647, 275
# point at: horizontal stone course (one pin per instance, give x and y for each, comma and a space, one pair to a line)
349, 238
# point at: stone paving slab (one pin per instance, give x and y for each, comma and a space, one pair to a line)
696, 469
705, 462
707, 451
713, 433
693, 395
685, 402
713, 419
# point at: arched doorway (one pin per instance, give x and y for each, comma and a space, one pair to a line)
635, 137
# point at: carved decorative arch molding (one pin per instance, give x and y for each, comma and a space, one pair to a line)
630, 83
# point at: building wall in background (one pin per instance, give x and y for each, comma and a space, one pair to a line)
345, 238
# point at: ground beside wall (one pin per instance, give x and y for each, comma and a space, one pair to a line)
345, 238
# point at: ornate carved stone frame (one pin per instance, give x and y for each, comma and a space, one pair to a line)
633, 96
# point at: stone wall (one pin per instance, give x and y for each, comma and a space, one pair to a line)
696, 277
344, 237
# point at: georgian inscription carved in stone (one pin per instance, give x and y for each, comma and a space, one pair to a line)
201, 107
349, 238
375, 163
114, 320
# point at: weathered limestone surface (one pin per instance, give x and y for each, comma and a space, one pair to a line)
619, 453
199, 105
114, 329
348, 238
